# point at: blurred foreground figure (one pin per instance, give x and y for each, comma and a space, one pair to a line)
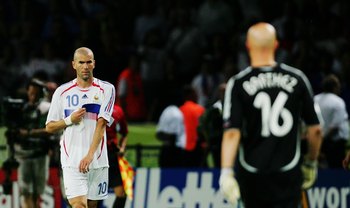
263, 107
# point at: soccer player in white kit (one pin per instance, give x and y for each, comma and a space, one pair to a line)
82, 108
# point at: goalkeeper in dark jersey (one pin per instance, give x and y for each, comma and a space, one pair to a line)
265, 106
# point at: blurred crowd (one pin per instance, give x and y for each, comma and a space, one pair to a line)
169, 44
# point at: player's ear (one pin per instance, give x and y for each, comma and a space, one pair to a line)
247, 45
276, 44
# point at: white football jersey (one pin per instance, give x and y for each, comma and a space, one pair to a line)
98, 100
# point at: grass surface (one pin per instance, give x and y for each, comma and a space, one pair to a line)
3, 152
142, 134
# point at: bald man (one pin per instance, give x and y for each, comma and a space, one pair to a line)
82, 108
264, 105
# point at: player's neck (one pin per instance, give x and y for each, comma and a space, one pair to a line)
84, 83
260, 58
255, 63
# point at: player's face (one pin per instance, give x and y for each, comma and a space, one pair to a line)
84, 65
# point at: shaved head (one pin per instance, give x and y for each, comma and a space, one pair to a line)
261, 35
84, 64
83, 51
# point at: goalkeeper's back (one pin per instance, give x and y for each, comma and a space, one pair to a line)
264, 106
268, 105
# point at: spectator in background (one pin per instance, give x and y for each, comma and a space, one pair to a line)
215, 16
60, 27
152, 70
287, 26
191, 144
8, 70
31, 147
185, 44
210, 127
149, 19
177, 129
46, 61
130, 94
170, 88
170, 130
114, 56
206, 81
170, 127
336, 121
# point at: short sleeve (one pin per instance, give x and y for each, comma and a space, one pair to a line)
106, 109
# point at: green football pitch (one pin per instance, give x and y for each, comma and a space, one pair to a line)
143, 146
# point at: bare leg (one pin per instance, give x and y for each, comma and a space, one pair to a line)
78, 202
120, 197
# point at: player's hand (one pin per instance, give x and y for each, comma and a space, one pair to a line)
84, 164
78, 115
229, 186
309, 170
121, 152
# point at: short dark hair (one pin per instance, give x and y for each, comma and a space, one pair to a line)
39, 84
330, 83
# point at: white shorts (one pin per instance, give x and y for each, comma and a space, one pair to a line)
93, 184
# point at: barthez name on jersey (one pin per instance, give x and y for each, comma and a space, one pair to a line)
270, 80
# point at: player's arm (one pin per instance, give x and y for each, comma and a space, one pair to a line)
55, 126
311, 114
232, 134
227, 181
123, 131
122, 143
98, 135
230, 142
104, 117
314, 134
229, 147
309, 168
314, 139
96, 140
74, 118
